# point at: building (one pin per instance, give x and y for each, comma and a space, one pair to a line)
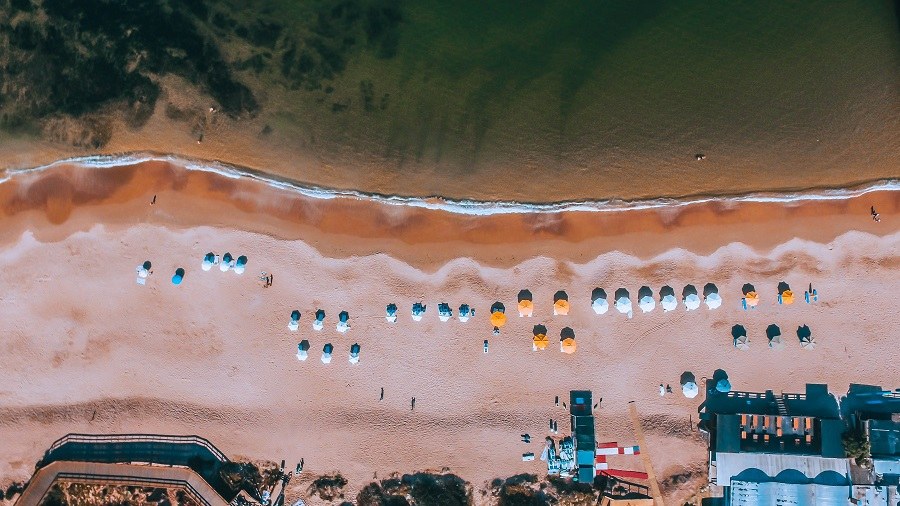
776, 449
875, 412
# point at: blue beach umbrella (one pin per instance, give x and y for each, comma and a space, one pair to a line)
178, 277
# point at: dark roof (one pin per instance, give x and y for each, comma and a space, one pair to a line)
830, 435
580, 402
884, 438
728, 433
816, 402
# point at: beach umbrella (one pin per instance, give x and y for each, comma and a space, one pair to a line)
526, 308
775, 342
178, 277
691, 301
295, 321
690, 390
390, 312
806, 340
319, 322
787, 297
646, 303
669, 303
208, 261
444, 312
302, 350
623, 305
498, 319
600, 306
713, 300
240, 264
418, 310
326, 353
561, 307
354, 353
343, 324
752, 299
226, 262
723, 385
742, 343
567, 345
465, 312
540, 342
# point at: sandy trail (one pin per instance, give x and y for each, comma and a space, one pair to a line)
85, 349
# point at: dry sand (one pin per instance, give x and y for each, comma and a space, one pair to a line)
85, 349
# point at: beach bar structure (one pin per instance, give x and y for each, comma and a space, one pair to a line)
583, 435
777, 446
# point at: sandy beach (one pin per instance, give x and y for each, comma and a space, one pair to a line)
86, 349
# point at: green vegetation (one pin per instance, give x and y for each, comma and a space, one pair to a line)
80, 494
856, 444
329, 487
419, 489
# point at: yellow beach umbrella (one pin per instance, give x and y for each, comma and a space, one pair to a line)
567, 345
541, 342
787, 297
526, 308
561, 307
498, 319
752, 299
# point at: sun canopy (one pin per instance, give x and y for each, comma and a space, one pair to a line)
713, 300
498, 319
752, 299
669, 302
647, 304
540, 342
787, 297
526, 308
776, 343
561, 307
600, 306
690, 390
692, 301
567, 345
723, 385
623, 305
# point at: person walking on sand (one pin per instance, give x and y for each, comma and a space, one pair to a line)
875, 216
412, 404
662, 390
153, 201
382, 394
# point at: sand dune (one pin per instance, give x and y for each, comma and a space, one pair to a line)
85, 349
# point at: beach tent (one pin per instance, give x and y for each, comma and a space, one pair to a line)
354, 353
567, 345
646, 303
668, 302
178, 277
689, 389
226, 262
465, 312
444, 312
713, 300
787, 297
775, 342
723, 385
806, 340
319, 322
390, 313
540, 342
691, 302
598, 301
208, 261
498, 319
240, 264
343, 324
561, 307
303, 350
526, 308
326, 353
295, 321
752, 299
418, 310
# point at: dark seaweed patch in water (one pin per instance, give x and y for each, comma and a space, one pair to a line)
73, 57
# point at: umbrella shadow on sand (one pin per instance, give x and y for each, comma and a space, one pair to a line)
560, 295
621, 292
747, 288
597, 294
772, 331
666, 290
688, 290
525, 295
782, 287
567, 333
688, 377
710, 288
539, 329
738, 331
645, 291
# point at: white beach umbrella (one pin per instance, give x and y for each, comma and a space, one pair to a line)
623, 305
692, 302
713, 300
600, 306
240, 264
742, 343
647, 304
208, 260
690, 390
226, 262
669, 303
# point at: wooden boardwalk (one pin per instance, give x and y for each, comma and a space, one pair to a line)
119, 474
